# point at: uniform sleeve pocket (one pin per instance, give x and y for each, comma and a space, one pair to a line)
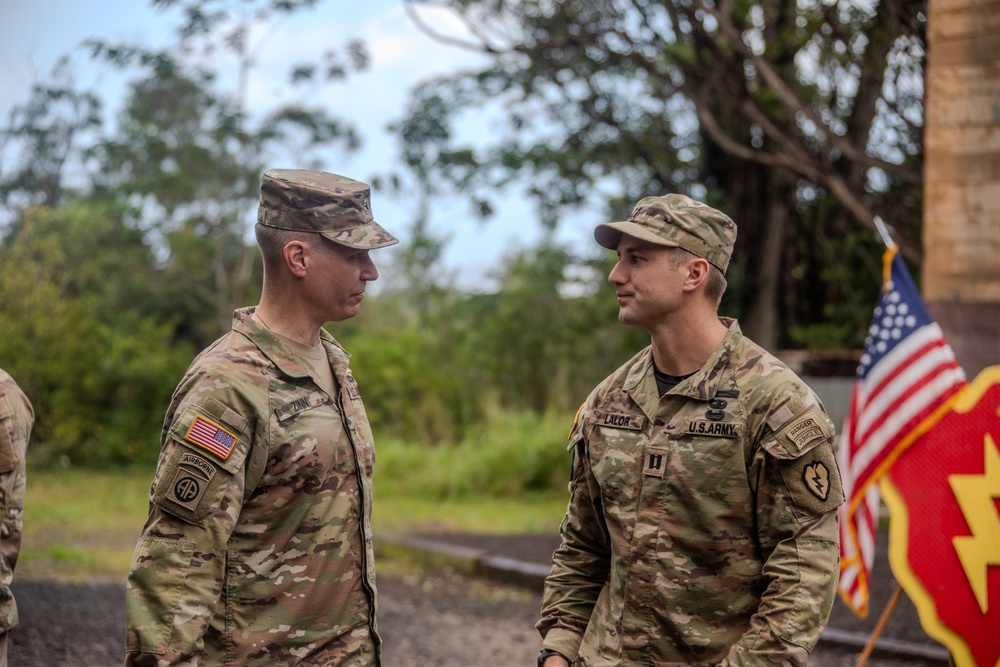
802, 450
211, 437
812, 482
191, 486
155, 586
201, 464
8, 453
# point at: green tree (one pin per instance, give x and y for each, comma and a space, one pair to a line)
803, 119
190, 150
41, 138
72, 330
125, 250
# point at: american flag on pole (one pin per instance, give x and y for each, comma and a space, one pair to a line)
907, 374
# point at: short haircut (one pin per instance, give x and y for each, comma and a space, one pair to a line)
715, 284
272, 242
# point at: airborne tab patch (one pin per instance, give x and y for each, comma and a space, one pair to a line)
619, 420
190, 481
211, 436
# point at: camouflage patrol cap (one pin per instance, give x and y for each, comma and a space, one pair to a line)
335, 206
679, 222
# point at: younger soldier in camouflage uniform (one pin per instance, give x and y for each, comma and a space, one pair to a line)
258, 545
702, 523
16, 420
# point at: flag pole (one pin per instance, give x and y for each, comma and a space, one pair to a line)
883, 619
890, 606
883, 231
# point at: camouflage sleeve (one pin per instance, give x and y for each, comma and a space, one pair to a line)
581, 564
797, 495
16, 421
178, 567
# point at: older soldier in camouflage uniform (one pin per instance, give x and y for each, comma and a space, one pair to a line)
258, 545
701, 527
16, 420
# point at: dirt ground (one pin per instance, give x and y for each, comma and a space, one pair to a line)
426, 617
903, 623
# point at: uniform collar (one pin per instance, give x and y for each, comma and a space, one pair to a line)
277, 352
640, 384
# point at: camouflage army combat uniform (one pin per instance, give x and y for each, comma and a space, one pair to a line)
258, 550
16, 420
701, 528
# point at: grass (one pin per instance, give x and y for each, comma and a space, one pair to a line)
83, 525
80, 525
508, 477
531, 513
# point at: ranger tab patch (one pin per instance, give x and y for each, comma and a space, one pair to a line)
805, 431
211, 436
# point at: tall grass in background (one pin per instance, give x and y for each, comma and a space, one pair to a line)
509, 477
509, 455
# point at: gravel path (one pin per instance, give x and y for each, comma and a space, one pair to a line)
438, 619
427, 617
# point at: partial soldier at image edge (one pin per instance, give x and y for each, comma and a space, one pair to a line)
17, 418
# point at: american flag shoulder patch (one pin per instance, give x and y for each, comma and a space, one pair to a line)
211, 436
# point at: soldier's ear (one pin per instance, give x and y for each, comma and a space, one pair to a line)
294, 254
697, 269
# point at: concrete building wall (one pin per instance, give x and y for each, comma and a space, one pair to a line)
961, 271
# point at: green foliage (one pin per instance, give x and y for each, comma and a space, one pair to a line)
507, 455
82, 524
108, 288
111, 285
413, 384
97, 369
798, 118
433, 362
47, 128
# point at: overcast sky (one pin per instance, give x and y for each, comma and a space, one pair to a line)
38, 32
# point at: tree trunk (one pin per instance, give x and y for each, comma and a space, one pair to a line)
763, 201
764, 322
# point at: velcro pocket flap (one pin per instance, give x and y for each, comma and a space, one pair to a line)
213, 431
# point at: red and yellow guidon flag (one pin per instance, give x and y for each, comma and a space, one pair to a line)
943, 495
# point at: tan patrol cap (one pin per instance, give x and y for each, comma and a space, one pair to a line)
678, 222
335, 206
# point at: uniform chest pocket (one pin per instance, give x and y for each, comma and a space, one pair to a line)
617, 446
308, 443
700, 466
289, 411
